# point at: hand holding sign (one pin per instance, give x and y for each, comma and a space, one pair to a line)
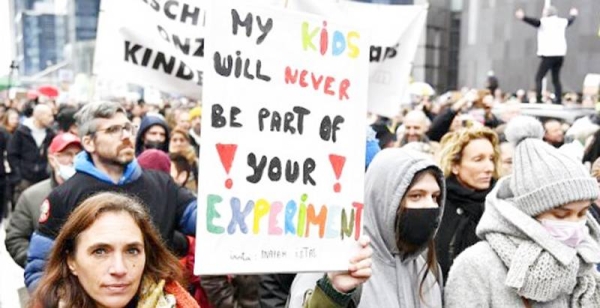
359, 270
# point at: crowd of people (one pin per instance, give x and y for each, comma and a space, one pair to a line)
462, 203
468, 203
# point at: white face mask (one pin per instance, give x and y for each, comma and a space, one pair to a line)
66, 171
571, 233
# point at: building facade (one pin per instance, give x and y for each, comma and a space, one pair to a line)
40, 35
492, 38
48, 32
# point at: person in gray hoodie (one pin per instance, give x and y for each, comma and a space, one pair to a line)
404, 199
539, 243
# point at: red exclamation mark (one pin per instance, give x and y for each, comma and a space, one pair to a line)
337, 162
226, 154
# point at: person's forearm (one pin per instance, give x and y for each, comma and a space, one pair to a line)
532, 21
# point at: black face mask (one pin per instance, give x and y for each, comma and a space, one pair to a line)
414, 227
149, 144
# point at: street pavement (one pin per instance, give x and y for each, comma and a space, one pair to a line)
11, 275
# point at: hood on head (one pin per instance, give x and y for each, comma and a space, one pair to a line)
147, 122
386, 182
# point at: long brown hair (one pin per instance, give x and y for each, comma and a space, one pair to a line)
58, 284
431, 264
5, 118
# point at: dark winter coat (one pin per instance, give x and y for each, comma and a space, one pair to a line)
274, 290
239, 291
462, 213
27, 160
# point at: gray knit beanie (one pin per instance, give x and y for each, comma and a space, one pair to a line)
543, 177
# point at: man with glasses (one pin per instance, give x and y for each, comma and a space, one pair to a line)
108, 164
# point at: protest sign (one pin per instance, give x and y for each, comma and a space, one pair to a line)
394, 32
283, 141
152, 43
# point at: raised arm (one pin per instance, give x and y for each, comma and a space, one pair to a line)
520, 14
572, 15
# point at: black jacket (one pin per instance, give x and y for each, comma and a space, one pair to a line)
27, 160
275, 289
462, 213
4, 140
239, 291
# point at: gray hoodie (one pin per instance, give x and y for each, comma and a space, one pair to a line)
396, 279
519, 259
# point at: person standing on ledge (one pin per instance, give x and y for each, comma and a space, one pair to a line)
552, 46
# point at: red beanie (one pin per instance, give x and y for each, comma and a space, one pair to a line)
155, 160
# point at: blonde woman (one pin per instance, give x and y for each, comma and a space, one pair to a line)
470, 159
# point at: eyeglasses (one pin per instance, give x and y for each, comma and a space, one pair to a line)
117, 130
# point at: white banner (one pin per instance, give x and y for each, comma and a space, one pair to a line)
394, 32
152, 43
283, 141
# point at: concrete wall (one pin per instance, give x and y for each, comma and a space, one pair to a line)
493, 39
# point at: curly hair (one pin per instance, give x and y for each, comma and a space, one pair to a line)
453, 144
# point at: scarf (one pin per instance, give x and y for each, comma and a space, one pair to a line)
540, 267
164, 295
471, 202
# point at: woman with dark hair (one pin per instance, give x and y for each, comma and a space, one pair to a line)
404, 200
108, 254
10, 120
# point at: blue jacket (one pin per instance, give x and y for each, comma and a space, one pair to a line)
41, 243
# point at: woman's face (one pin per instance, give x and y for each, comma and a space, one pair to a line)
178, 143
476, 167
574, 212
109, 259
425, 193
13, 119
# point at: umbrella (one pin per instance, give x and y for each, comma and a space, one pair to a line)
421, 89
48, 91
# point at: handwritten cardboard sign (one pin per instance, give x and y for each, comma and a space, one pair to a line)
394, 34
283, 141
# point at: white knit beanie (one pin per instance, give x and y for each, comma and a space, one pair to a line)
543, 177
